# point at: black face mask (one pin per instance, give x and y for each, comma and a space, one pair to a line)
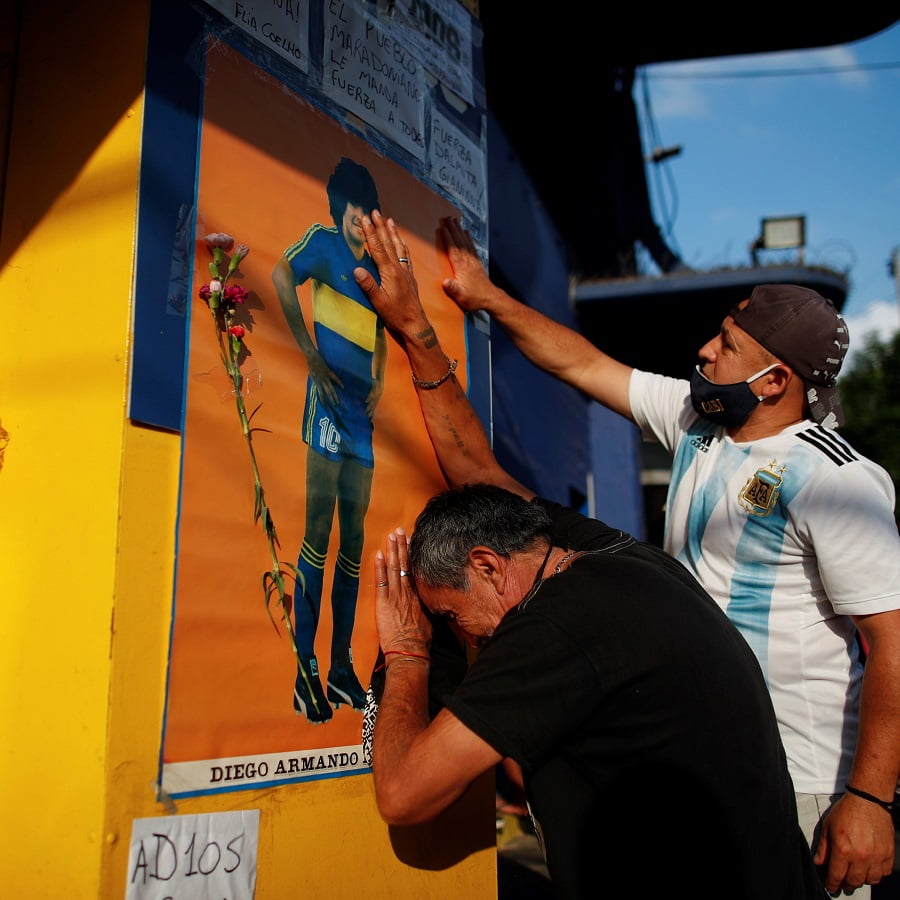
724, 404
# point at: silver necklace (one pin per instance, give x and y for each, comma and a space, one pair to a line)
564, 560
538, 580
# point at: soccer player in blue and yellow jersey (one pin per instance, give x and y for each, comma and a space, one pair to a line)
346, 358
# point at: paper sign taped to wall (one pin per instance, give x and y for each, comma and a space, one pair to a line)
196, 857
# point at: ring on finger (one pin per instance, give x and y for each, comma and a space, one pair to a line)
381, 584
403, 573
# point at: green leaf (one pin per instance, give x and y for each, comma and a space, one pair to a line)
258, 503
268, 591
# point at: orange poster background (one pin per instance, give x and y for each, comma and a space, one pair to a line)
265, 157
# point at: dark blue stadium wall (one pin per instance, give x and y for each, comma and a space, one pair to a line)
545, 433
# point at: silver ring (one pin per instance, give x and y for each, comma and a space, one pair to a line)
403, 573
403, 259
381, 584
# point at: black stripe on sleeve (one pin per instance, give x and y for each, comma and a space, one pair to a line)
829, 443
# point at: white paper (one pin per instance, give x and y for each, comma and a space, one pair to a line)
374, 76
457, 164
440, 32
282, 26
195, 857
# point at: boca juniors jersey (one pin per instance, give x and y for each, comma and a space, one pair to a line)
345, 328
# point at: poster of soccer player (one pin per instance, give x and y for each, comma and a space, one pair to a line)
303, 445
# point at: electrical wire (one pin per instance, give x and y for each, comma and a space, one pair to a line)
665, 189
769, 73
661, 170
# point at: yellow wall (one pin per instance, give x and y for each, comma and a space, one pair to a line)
88, 523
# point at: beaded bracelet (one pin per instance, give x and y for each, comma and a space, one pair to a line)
431, 385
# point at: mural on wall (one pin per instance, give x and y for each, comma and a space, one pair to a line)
298, 462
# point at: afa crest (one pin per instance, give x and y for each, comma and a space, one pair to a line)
760, 494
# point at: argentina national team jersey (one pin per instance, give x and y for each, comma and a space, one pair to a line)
345, 327
788, 535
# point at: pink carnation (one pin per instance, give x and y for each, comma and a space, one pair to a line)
219, 239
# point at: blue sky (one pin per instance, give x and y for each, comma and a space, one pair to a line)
824, 144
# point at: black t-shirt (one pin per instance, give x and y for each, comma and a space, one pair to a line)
644, 728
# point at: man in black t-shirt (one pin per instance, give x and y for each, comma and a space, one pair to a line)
637, 712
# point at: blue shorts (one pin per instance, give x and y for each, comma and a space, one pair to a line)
343, 431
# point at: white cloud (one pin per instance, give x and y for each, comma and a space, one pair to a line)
680, 100
880, 317
681, 89
841, 60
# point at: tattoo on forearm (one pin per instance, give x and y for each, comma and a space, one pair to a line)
454, 433
427, 337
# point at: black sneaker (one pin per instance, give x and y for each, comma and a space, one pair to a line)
316, 712
344, 687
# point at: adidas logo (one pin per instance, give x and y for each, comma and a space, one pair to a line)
702, 443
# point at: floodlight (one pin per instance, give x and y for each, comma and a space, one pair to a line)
783, 232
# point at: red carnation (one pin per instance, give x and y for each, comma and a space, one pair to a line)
234, 293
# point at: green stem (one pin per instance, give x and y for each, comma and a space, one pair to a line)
232, 367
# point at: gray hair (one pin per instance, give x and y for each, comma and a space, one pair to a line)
468, 516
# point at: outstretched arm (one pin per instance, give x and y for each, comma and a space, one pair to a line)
553, 347
460, 442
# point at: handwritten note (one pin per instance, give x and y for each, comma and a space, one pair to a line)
195, 857
372, 75
280, 25
457, 164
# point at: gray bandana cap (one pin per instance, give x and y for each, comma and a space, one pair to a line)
804, 330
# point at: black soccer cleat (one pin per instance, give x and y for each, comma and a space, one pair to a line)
309, 698
344, 687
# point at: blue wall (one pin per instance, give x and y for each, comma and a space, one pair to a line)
545, 433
